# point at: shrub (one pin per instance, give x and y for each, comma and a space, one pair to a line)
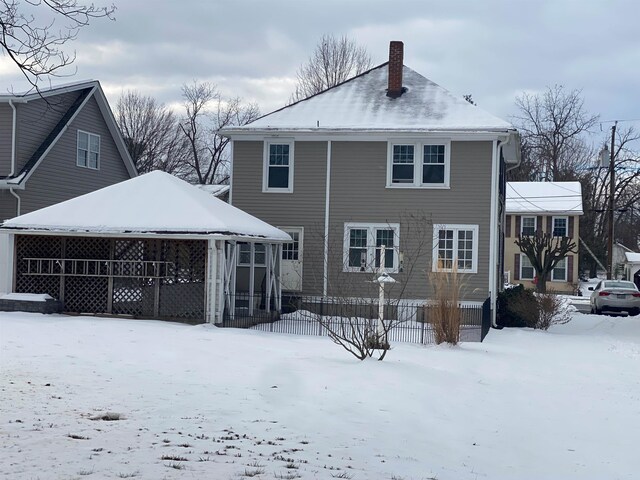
517, 307
551, 311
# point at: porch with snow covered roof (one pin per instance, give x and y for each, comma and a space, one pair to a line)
151, 247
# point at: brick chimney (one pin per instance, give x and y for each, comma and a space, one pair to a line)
396, 57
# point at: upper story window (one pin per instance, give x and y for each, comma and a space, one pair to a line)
455, 247
419, 164
88, 152
560, 227
528, 226
278, 167
363, 246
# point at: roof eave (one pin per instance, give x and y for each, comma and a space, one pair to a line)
229, 132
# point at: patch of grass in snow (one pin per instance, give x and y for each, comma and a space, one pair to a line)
176, 466
287, 475
128, 475
255, 464
342, 475
175, 458
252, 472
85, 472
77, 437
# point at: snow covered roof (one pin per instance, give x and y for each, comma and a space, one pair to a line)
632, 257
155, 203
362, 104
215, 190
544, 197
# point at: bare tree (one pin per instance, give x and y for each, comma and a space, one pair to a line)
544, 252
151, 132
552, 125
334, 60
595, 182
206, 112
35, 44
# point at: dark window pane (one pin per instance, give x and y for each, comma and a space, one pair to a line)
402, 174
355, 256
433, 173
278, 177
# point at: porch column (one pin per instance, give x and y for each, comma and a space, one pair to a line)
212, 276
230, 278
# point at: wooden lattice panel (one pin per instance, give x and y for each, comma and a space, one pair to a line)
35, 246
133, 296
86, 294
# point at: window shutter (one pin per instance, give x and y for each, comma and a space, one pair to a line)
508, 226
570, 269
518, 229
550, 225
571, 220
516, 266
539, 221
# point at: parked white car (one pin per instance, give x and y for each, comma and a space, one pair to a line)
615, 296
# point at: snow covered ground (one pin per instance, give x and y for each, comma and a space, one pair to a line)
201, 402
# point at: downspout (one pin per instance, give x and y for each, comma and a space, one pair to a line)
494, 226
13, 155
325, 276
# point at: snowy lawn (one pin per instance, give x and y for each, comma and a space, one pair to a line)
201, 402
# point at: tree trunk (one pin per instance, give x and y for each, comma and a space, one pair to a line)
542, 284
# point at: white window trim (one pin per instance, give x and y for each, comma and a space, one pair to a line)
265, 165
522, 277
553, 224
89, 135
566, 270
436, 241
535, 223
418, 152
371, 248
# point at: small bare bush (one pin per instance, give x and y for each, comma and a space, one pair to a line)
445, 311
551, 311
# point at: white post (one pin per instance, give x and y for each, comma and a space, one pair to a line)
212, 277
6, 262
381, 272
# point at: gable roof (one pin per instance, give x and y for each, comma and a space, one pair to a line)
362, 104
544, 197
151, 204
85, 90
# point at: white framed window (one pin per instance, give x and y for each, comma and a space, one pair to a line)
88, 150
362, 246
527, 272
528, 226
419, 164
559, 273
245, 252
278, 166
455, 247
560, 226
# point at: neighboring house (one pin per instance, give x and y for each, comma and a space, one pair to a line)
550, 207
619, 259
218, 191
632, 267
56, 145
385, 158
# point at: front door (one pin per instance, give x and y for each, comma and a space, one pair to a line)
291, 266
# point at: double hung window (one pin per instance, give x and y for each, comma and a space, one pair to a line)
528, 226
88, 150
278, 167
559, 273
419, 164
560, 227
363, 246
527, 272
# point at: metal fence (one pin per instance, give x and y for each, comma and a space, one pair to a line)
411, 321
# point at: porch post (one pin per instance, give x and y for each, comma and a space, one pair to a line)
220, 275
252, 276
268, 273
212, 274
278, 260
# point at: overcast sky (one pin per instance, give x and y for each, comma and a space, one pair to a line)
492, 49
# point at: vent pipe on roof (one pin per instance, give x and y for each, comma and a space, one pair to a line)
396, 58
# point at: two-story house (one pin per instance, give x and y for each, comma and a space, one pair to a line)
549, 207
386, 158
55, 145
58, 144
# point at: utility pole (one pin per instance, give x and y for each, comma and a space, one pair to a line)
612, 189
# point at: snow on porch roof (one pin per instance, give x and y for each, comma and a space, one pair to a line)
155, 203
544, 197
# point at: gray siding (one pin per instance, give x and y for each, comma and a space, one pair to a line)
58, 178
359, 194
8, 205
302, 208
36, 119
6, 127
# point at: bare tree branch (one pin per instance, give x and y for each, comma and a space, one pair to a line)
35, 45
